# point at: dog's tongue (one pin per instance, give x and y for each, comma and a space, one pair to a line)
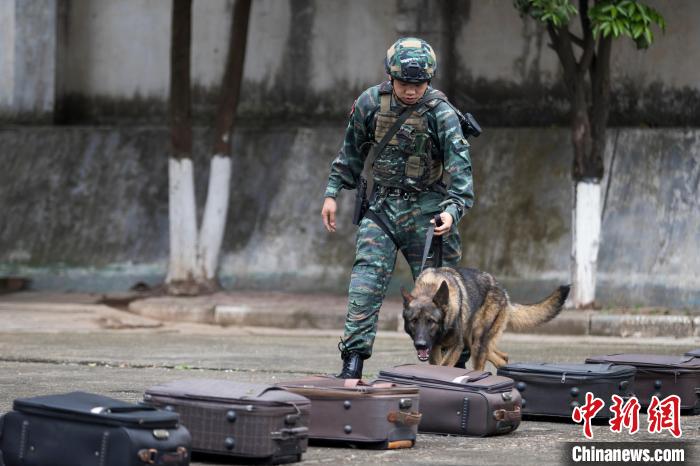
423, 354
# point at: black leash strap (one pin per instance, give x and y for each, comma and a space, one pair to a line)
435, 242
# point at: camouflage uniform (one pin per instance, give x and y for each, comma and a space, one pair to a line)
407, 205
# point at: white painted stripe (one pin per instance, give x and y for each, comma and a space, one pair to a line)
183, 220
215, 213
585, 242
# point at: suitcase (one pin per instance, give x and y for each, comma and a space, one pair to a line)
661, 376
460, 401
554, 390
241, 420
694, 353
351, 412
85, 429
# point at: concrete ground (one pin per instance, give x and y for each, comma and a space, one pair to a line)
64, 346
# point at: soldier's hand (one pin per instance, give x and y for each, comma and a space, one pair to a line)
446, 224
328, 213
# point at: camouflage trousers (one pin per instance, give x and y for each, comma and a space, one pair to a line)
375, 258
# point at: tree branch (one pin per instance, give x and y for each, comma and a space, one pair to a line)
562, 46
233, 77
589, 44
576, 40
180, 98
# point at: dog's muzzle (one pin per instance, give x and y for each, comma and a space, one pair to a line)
423, 350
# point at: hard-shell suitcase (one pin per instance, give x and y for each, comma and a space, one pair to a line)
356, 413
241, 420
460, 401
549, 389
661, 376
85, 429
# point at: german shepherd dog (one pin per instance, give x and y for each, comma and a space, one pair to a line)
453, 309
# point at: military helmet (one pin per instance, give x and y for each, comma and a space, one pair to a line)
412, 60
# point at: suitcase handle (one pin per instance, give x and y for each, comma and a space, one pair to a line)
354, 383
153, 456
402, 417
505, 415
294, 432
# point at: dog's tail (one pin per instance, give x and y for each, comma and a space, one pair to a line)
526, 316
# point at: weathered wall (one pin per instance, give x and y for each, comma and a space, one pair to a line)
86, 208
310, 58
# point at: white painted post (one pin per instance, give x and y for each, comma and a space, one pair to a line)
586, 223
215, 212
183, 221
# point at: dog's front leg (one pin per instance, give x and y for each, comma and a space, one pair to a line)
435, 355
451, 356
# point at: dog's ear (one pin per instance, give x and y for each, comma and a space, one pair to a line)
407, 298
442, 296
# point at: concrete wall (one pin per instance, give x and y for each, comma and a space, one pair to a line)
86, 208
310, 59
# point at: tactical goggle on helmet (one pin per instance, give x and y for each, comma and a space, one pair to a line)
412, 60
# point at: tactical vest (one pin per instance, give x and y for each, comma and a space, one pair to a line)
406, 162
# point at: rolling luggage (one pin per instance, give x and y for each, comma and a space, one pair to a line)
85, 429
661, 376
359, 414
240, 420
556, 389
460, 401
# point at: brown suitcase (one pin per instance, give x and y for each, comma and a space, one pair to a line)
661, 376
241, 420
460, 401
351, 412
556, 389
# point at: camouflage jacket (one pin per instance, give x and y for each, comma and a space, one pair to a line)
448, 142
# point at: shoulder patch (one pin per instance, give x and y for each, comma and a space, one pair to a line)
352, 110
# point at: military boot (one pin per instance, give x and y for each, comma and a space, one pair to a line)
352, 366
352, 363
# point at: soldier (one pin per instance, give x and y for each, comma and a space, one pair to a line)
409, 187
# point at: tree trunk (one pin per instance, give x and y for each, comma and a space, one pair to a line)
182, 207
589, 128
216, 208
585, 232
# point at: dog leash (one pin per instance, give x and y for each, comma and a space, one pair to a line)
437, 251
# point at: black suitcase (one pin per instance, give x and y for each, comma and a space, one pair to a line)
241, 420
83, 429
460, 401
556, 389
662, 376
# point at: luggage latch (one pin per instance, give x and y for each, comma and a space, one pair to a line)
148, 456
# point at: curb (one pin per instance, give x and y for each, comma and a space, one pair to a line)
569, 322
